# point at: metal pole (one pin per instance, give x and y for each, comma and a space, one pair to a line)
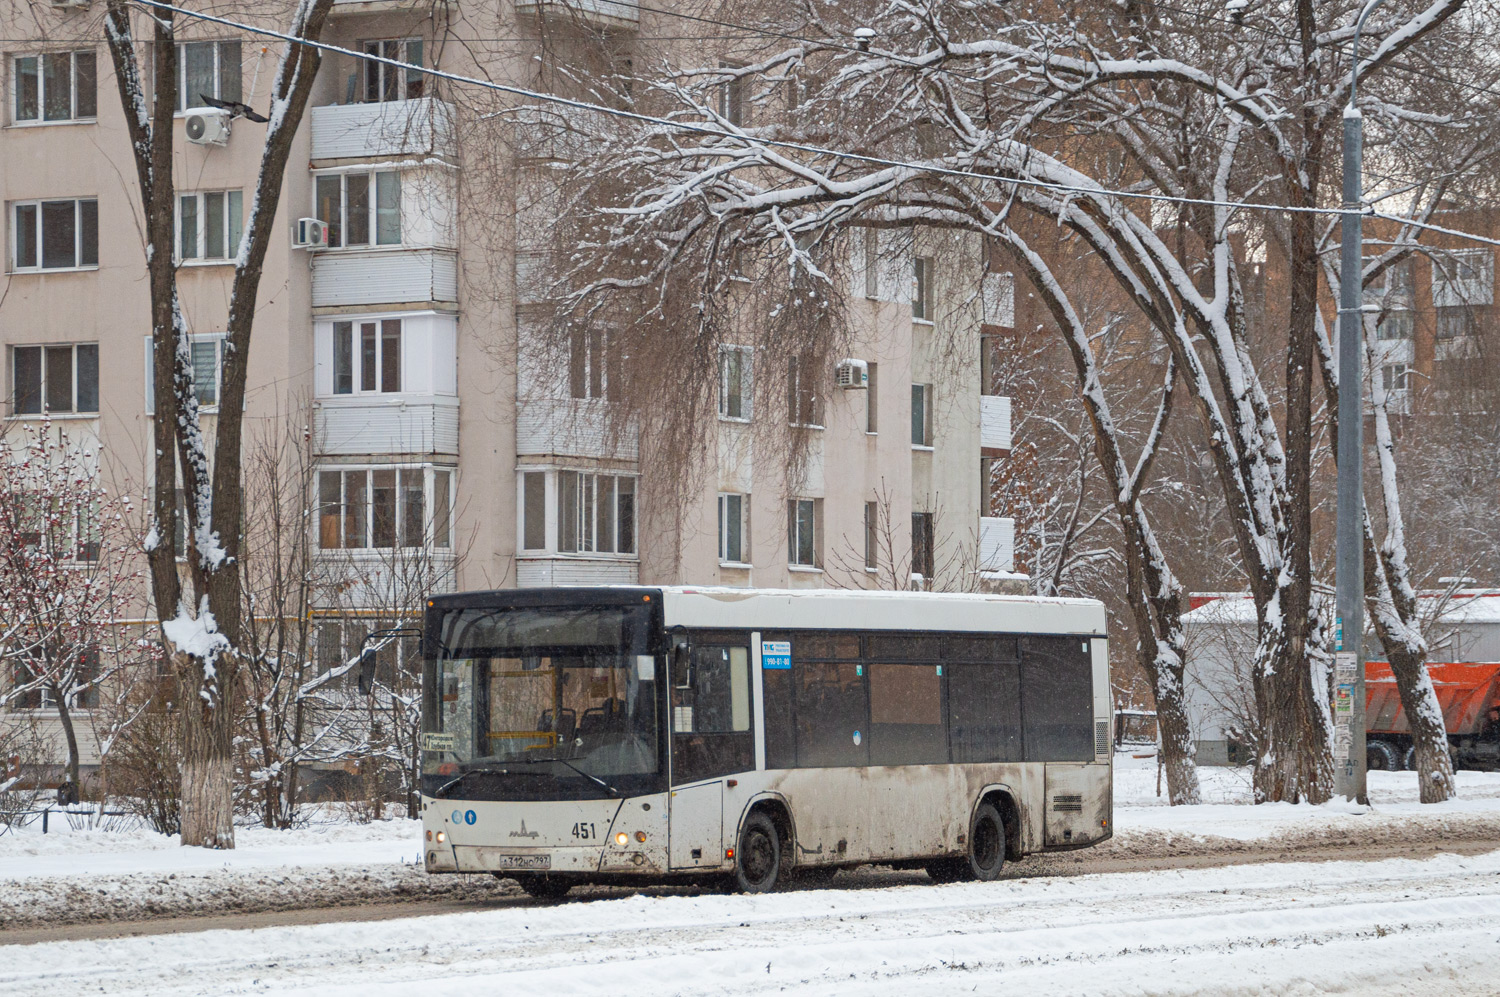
1349, 664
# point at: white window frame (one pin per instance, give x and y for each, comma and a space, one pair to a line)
795, 508
45, 410
872, 536
1402, 321
41, 89
734, 510
1452, 289
14, 218
925, 391
357, 356
383, 69
552, 513
432, 529
594, 365
921, 289
186, 100
234, 226
1395, 377
341, 228
194, 340
745, 355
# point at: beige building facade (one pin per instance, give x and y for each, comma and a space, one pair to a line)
403, 342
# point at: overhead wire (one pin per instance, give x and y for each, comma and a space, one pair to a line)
708, 130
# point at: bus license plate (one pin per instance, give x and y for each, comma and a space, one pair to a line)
523, 861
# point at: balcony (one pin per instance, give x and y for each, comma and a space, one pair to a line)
598, 13
994, 426
572, 427
347, 277
997, 545
554, 570
419, 127
387, 424
385, 6
998, 296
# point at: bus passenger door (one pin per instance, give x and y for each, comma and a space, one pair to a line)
696, 836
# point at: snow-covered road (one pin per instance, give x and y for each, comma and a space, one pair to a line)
1396, 926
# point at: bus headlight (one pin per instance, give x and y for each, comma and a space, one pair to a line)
622, 839
442, 836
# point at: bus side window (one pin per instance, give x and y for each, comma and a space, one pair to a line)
1057, 696
721, 689
711, 714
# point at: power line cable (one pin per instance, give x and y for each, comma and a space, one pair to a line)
708, 130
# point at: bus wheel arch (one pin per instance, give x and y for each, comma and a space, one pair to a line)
775, 807
1001, 798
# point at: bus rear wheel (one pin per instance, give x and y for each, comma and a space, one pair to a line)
758, 861
543, 887
986, 844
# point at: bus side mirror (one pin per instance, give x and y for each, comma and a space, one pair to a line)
367, 671
682, 666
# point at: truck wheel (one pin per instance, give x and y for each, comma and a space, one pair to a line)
543, 887
1409, 760
986, 844
1381, 757
758, 864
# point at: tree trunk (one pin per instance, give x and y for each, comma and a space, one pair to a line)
207, 759
66, 717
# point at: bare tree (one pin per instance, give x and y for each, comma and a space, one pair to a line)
203, 630
67, 553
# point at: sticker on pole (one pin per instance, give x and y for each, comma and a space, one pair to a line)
776, 654
1343, 701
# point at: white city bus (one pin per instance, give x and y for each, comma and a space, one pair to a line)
623, 734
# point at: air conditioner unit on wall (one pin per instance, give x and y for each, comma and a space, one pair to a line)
310, 233
206, 125
852, 374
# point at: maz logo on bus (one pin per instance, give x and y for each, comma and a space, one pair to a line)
464, 817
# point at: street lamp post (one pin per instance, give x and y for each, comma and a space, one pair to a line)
1349, 665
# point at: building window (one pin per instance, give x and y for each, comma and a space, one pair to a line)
55, 235
872, 536
1398, 279
209, 224
1456, 322
734, 528
360, 209
1395, 376
734, 382
367, 357
381, 508
922, 548
207, 351
802, 532
803, 404
54, 379
872, 404
921, 288
64, 531
871, 275
207, 69
732, 98
1463, 277
534, 510
595, 513
27, 668
55, 86
921, 415
1396, 324
383, 81
594, 365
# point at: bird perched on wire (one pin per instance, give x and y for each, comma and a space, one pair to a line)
234, 107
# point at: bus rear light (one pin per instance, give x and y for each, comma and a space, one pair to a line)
729, 853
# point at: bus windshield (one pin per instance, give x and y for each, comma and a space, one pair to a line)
542, 702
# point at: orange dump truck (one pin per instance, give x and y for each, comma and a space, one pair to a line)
1465, 690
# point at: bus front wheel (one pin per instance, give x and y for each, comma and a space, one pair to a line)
987, 843
758, 864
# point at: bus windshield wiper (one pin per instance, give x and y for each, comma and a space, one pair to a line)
589, 775
465, 774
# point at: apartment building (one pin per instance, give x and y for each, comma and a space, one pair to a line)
435, 432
